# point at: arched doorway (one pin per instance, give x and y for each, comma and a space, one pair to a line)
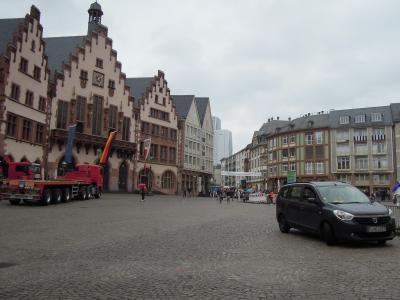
106, 177
168, 180
123, 176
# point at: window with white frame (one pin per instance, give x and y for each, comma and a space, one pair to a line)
378, 131
343, 178
319, 137
380, 162
380, 178
309, 138
284, 168
376, 117
343, 163
379, 148
292, 139
359, 119
292, 152
285, 140
362, 177
309, 167
319, 167
293, 167
360, 135
285, 153
362, 163
344, 119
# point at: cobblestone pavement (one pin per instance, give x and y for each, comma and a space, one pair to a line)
174, 248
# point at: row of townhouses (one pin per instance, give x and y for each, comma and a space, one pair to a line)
359, 146
47, 84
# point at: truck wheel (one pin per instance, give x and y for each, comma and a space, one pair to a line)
15, 201
83, 193
97, 194
46, 200
89, 192
57, 196
66, 195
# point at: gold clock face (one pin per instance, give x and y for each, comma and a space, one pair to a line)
98, 79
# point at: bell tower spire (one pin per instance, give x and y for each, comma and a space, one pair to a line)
95, 14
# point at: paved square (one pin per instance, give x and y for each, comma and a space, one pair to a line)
176, 248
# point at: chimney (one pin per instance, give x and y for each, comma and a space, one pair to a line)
277, 118
290, 119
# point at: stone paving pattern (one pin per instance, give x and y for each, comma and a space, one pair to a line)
179, 248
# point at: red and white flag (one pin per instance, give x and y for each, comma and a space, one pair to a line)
146, 149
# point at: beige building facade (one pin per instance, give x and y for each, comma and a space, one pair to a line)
23, 89
158, 122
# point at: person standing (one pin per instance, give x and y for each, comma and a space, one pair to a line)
143, 190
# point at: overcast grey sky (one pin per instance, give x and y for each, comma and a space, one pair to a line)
253, 58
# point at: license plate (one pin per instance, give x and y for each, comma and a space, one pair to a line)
376, 229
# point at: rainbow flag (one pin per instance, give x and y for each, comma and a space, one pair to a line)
106, 151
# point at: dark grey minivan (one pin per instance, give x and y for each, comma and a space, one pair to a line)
337, 211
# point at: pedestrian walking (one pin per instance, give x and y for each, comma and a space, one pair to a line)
143, 190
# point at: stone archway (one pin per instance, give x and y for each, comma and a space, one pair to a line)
123, 177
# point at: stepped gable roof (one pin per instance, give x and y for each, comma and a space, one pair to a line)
334, 116
307, 122
59, 49
201, 104
7, 29
138, 86
182, 104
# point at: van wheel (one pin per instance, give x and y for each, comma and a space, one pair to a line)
283, 225
57, 196
46, 200
66, 195
328, 234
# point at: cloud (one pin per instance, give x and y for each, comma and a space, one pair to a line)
254, 59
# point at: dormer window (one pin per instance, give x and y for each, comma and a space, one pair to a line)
376, 117
344, 120
359, 119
